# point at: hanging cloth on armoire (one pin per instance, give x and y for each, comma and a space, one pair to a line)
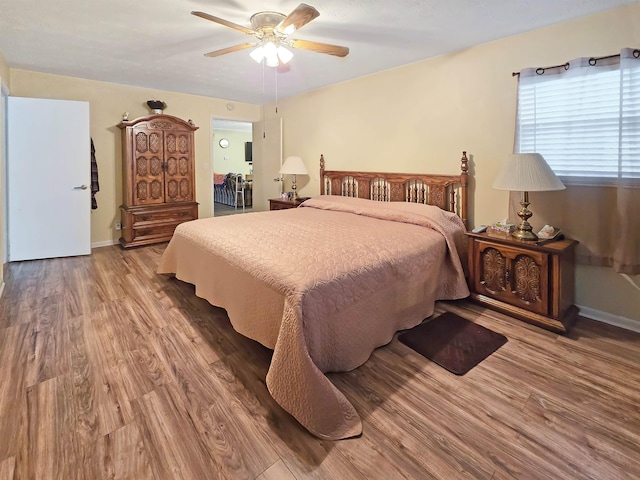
95, 186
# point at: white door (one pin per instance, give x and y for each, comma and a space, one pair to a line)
48, 178
266, 168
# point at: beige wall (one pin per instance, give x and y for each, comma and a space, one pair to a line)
419, 118
230, 159
108, 102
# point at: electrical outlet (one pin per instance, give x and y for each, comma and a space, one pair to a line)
118, 226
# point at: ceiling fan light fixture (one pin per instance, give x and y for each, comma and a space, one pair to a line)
284, 55
257, 54
271, 54
289, 29
270, 49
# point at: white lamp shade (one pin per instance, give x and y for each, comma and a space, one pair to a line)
284, 55
293, 166
271, 54
257, 54
527, 172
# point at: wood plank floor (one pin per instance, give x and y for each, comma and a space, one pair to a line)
108, 370
220, 210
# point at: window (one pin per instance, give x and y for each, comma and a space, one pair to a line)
584, 119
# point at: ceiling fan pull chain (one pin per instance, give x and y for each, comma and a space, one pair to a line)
264, 99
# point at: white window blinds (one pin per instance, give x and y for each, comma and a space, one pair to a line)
584, 120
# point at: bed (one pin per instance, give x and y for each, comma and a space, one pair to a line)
326, 283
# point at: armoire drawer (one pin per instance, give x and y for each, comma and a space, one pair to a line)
154, 224
164, 215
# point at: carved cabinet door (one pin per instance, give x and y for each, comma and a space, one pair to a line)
179, 165
518, 277
148, 167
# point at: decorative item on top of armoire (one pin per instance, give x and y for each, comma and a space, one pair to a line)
158, 178
156, 106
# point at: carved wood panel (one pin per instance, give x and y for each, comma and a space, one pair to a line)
438, 196
493, 274
527, 279
178, 174
147, 168
513, 275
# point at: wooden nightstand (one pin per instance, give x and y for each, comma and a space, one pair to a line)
532, 282
280, 204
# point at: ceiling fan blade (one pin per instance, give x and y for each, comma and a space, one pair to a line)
224, 22
297, 19
336, 50
236, 48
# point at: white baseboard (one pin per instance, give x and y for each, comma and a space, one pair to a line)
2, 284
105, 243
611, 319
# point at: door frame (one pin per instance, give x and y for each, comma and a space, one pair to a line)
219, 123
4, 208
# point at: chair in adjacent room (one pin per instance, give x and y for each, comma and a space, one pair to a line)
239, 190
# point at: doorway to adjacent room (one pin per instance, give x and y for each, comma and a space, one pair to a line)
232, 165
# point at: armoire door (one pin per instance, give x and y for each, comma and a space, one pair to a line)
48, 178
178, 166
148, 167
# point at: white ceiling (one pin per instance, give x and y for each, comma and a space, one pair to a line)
158, 44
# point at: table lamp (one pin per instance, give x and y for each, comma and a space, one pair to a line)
293, 166
527, 172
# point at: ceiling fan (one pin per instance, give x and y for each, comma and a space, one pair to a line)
272, 30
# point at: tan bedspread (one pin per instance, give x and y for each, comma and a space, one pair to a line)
322, 285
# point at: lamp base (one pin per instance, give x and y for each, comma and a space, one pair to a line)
524, 230
522, 233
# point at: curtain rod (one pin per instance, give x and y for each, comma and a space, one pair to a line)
592, 61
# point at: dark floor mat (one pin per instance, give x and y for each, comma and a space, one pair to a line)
453, 342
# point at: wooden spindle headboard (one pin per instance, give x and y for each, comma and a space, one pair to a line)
448, 192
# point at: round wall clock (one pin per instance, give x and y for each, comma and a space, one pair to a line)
224, 143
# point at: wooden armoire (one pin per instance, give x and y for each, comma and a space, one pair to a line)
158, 176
